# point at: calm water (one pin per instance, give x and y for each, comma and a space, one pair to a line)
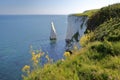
17, 33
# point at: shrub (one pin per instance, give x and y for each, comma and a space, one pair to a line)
104, 14
109, 30
107, 47
85, 39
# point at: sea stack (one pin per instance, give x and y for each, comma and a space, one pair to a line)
53, 35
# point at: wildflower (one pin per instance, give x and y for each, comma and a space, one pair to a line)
86, 38
38, 55
35, 58
75, 47
47, 57
66, 54
26, 69
62, 60
33, 53
41, 53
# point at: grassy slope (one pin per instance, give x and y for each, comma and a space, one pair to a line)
99, 59
88, 13
109, 30
104, 14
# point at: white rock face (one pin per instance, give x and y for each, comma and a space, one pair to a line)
76, 25
75, 30
53, 34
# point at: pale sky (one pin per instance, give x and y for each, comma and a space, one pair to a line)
51, 6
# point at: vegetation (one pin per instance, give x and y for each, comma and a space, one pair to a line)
109, 30
87, 13
98, 59
104, 14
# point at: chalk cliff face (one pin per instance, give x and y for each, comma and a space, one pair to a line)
76, 27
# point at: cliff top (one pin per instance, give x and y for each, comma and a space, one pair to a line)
88, 13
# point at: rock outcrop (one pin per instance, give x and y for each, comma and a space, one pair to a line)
53, 34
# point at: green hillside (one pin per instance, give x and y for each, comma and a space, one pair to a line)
104, 14
109, 30
99, 57
88, 13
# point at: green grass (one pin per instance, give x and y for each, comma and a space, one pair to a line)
88, 13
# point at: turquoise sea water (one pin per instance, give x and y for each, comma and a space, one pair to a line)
18, 32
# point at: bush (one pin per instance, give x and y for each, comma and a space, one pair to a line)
85, 39
109, 30
107, 47
104, 14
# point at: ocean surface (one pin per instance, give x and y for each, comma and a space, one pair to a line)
19, 32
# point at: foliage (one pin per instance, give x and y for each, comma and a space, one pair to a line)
26, 70
109, 30
85, 39
104, 14
66, 54
35, 58
36, 55
88, 13
107, 47
87, 64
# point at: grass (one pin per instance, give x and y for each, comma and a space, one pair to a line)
88, 13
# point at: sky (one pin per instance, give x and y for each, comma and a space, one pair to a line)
51, 6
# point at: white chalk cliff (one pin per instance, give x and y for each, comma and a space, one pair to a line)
53, 34
76, 27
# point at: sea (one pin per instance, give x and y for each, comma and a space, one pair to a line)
19, 32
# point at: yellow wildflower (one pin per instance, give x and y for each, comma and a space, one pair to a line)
38, 55
26, 68
35, 58
62, 60
33, 53
66, 54
86, 38
47, 57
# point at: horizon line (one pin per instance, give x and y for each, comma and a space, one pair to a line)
35, 14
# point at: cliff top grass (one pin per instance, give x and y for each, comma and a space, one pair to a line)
88, 13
